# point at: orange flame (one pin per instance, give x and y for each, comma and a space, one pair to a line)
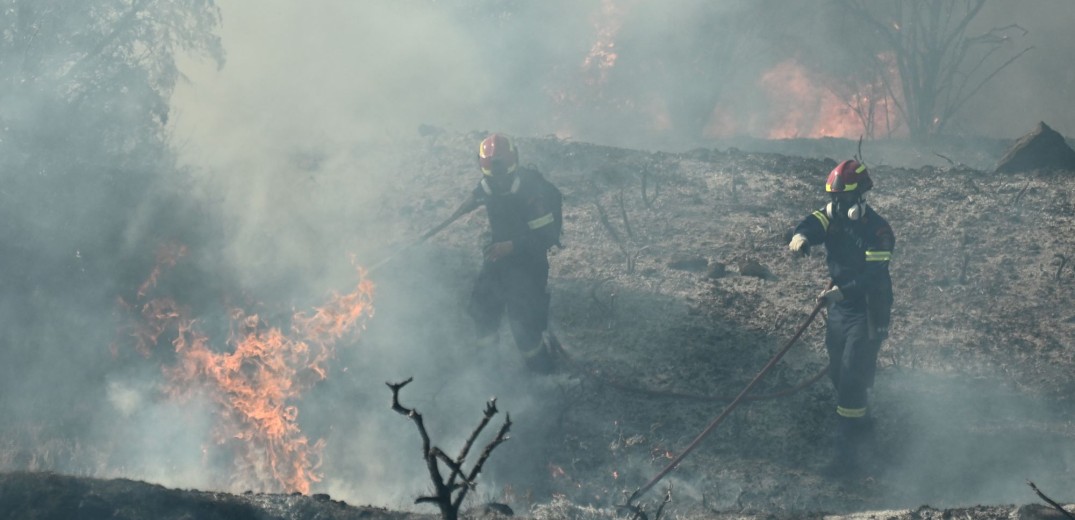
806, 109
256, 383
800, 104
167, 256
602, 55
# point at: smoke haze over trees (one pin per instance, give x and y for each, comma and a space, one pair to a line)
91, 184
616, 72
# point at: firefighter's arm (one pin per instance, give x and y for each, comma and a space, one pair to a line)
811, 231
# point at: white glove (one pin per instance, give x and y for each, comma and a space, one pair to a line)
799, 244
830, 296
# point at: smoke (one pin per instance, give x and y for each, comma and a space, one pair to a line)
624, 72
958, 441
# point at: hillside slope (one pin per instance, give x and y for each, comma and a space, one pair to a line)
675, 287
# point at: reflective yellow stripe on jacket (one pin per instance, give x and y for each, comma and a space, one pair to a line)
878, 256
853, 413
541, 221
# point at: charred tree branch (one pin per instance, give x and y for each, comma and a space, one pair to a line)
448, 496
1015, 200
501, 436
608, 309
490, 411
602, 215
623, 214
656, 190
667, 500
1050, 501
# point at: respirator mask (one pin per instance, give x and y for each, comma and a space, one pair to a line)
851, 206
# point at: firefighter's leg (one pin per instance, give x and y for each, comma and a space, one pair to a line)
528, 315
835, 339
856, 371
486, 306
857, 367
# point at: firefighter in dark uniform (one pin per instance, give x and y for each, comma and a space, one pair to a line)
858, 244
525, 220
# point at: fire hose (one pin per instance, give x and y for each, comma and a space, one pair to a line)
728, 409
469, 205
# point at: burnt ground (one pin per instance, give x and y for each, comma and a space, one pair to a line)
674, 288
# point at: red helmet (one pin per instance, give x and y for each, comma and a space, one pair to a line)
849, 176
497, 155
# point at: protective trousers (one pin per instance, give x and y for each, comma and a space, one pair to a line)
852, 365
519, 287
852, 357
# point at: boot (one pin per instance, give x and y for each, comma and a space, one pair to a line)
540, 359
846, 461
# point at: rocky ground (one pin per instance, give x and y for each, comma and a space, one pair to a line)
674, 288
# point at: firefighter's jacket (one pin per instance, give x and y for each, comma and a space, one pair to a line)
528, 214
858, 254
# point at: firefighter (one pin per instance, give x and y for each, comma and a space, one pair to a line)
525, 220
858, 245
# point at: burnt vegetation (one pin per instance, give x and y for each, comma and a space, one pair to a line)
449, 493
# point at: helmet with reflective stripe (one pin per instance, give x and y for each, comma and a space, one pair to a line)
497, 155
849, 176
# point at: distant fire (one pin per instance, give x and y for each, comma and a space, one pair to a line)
787, 100
798, 104
602, 55
256, 381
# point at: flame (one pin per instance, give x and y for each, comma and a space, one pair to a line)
167, 256
800, 104
256, 382
809, 110
602, 56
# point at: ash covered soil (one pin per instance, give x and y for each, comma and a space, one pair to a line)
675, 287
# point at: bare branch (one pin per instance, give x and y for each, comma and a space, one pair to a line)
981, 84
656, 189
434, 456
1050, 501
938, 65
490, 411
452, 465
623, 215
667, 500
501, 437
